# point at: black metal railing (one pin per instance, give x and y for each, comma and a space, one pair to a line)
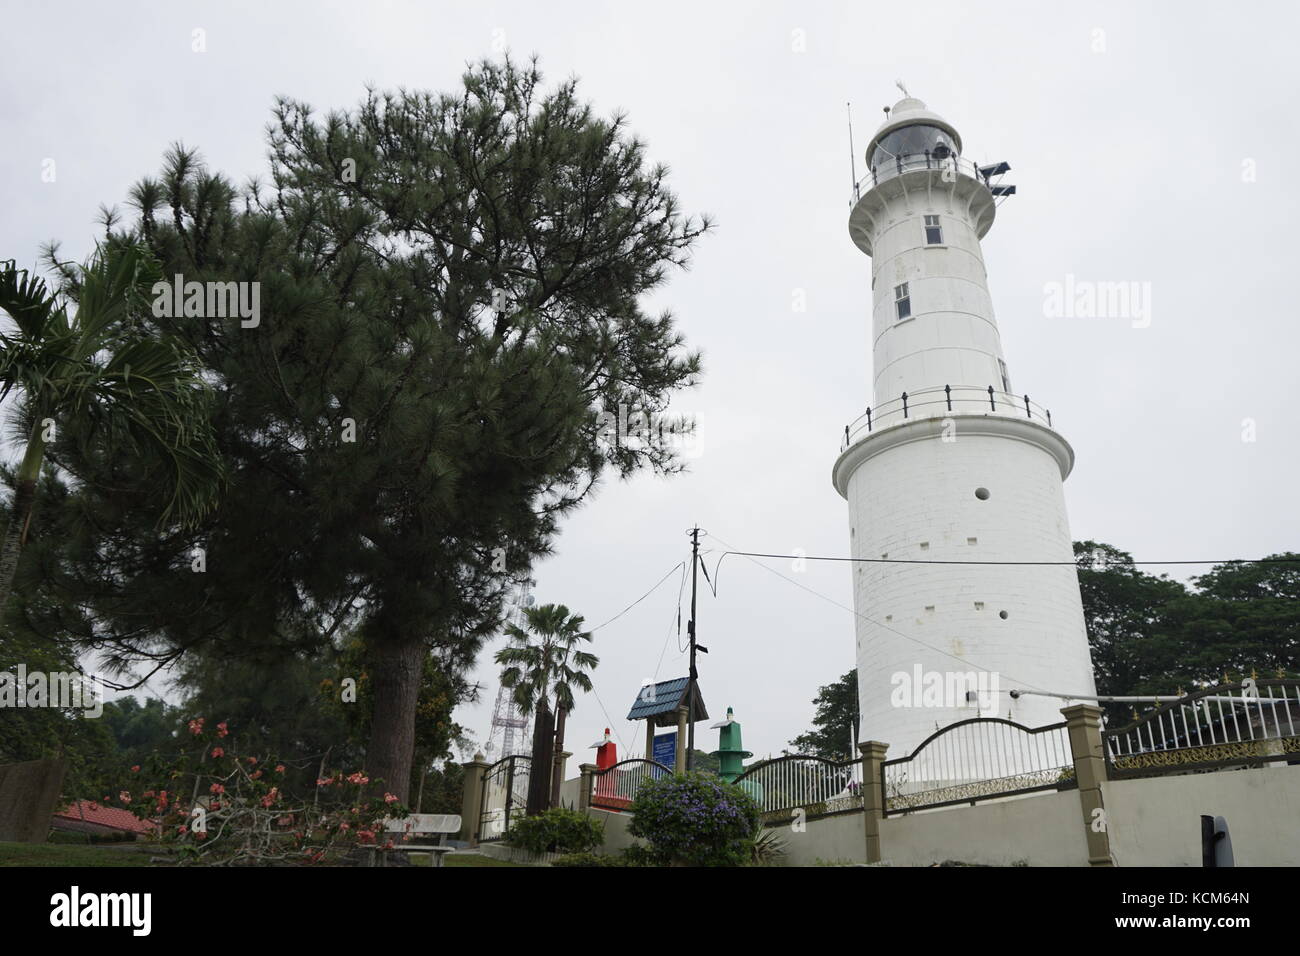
816, 785
982, 758
505, 796
940, 403
1231, 725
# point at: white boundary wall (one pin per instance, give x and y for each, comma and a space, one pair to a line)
1152, 821
1156, 821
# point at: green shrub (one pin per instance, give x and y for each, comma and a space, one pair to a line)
766, 847
636, 855
586, 859
695, 819
556, 831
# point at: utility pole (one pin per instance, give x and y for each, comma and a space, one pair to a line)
690, 630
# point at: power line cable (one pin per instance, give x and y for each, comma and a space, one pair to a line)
609, 720
856, 613
676, 617
638, 600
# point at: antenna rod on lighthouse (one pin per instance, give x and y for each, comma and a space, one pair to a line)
853, 161
690, 685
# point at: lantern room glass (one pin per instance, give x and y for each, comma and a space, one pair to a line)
909, 141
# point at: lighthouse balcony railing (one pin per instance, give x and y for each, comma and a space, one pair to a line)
948, 166
793, 783
943, 402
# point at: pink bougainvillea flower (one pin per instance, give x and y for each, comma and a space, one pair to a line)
196, 726
279, 768
201, 835
366, 836
271, 797
182, 829
251, 760
216, 788
135, 769
148, 794
124, 796
218, 752
324, 781
255, 774
390, 798
221, 729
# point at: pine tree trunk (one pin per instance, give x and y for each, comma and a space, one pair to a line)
21, 512
396, 668
539, 774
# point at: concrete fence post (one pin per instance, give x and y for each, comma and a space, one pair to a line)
471, 808
873, 801
1084, 727
584, 785
560, 767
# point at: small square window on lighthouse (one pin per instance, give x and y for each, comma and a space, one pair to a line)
902, 302
933, 231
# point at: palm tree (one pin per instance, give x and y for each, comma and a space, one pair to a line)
542, 662
131, 389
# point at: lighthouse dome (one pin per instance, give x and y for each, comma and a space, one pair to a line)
912, 130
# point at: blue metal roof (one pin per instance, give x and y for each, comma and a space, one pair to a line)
662, 700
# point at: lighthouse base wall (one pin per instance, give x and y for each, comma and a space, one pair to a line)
943, 642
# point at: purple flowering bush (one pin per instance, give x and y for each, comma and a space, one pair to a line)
695, 820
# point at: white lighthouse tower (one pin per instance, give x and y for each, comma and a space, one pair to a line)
950, 463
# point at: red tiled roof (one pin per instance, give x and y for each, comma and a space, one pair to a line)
113, 817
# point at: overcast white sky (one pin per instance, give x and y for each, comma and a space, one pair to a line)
1127, 127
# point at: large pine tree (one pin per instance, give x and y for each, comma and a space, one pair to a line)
450, 295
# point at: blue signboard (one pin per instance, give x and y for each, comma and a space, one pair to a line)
665, 751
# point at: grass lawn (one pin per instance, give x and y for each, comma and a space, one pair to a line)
475, 859
73, 854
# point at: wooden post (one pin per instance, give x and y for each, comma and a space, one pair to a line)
471, 808
873, 800
649, 738
681, 741
1084, 727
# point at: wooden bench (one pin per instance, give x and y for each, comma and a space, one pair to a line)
419, 825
